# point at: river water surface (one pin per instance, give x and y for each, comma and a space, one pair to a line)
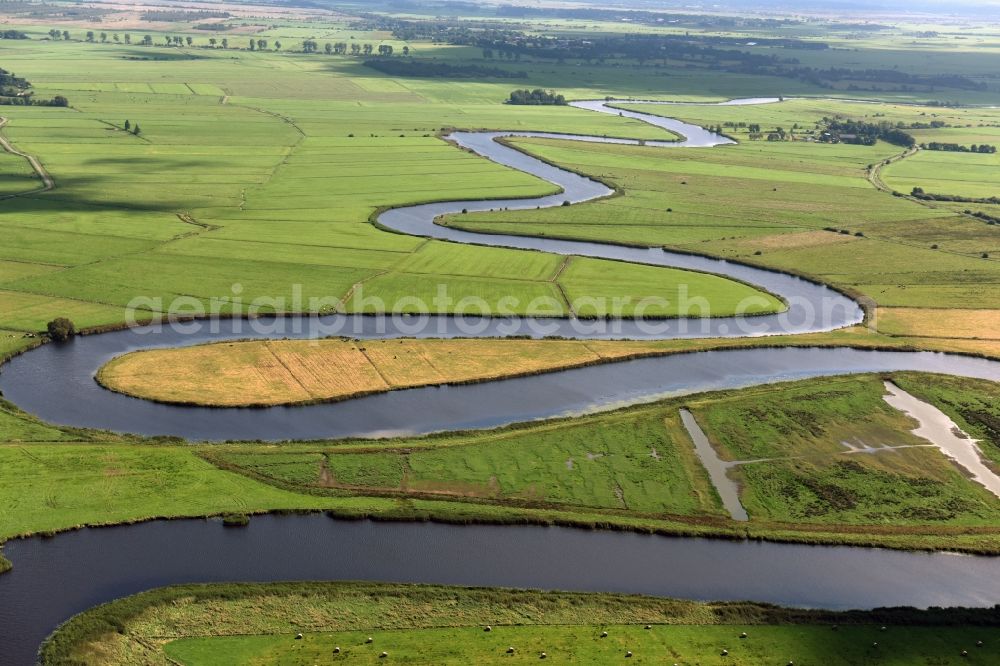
55, 578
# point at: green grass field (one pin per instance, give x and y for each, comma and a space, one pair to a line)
271, 189
206, 625
961, 174
582, 644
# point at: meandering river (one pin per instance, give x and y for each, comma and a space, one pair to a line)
56, 578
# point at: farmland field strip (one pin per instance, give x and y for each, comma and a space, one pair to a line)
364, 352
291, 373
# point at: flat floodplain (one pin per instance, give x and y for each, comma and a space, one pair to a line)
259, 172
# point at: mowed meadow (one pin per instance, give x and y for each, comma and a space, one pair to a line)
261, 170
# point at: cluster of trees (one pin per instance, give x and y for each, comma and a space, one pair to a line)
134, 129
11, 84
16, 91
12, 34
866, 134
435, 69
59, 34
536, 97
958, 148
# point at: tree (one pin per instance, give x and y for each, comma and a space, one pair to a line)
211, 42
355, 49
385, 50
189, 40
128, 125
128, 38
261, 44
368, 49
61, 329
277, 46
406, 50
253, 45
168, 39
55, 34
147, 40
59, 100
225, 43
328, 48
135, 130
104, 37
309, 46
116, 38
66, 34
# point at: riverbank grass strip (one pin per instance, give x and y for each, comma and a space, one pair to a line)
261, 623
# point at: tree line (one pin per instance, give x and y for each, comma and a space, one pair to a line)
918, 193
958, 148
867, 134
253, 44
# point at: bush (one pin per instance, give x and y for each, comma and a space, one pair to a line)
235, 520
61, 329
